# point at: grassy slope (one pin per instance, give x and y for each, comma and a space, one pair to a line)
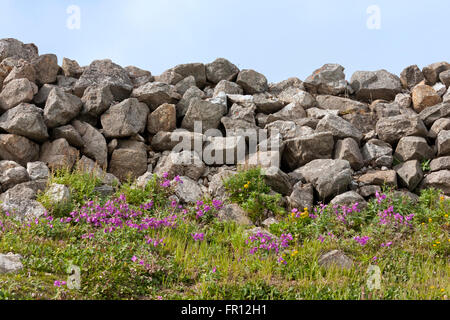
414, 266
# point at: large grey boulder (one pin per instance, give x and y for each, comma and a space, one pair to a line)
266, 103
71, 68
438, 126
221, 69
120, 164
10, 263
410, 174
373, 85
94, 143
348, 149
155, 94
411, 76
46, 67
38, 170
302, 196
431, 114
443, 143
377, 153
180, 138
224, 150
17, 92
197, 70
343, 105
438, 164
339, 128
186, 163
14, 48
26, 120
188, 190
61, 108
432, 71
232, 212
58, 194
125, 119
228, 87
96, 100
329, 79
69, 133
277, 180
18, 149
329, 177
11, 174
439, 180
138, 76
349, 199
164, 118
335, 259
291, 112
183, 104
424, 96
413, 148
58, 154
392, 129
207, 113
22, 209
105, 72
252, 82
380, 178
300, 151
22, 69
216, 186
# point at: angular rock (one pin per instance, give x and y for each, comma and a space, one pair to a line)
46, 67
188, 191
348, 149
263, 159
439, 180
343, 105
337, 259
14, 48
393, 129
232, 212
61, 108
186, 163
22, 69
373, 85
11, 174
438, 126
340, 128
379, 178
96, 100
329, 177
216, 188
23, 209
443, 143
432, 72
71, 68
10, 263
105, 72
445, 78
18, 149
184, 103
329, 79
94, 143
207, 113
349, 199
221, 69
424, 96
291, 112
266, 103
252, 82
197, 70
58, 154
410, 174
164, 118
38, 170
413, 148
58, 194
403, 100
277, 180
438, 164
431, 114
300, 151
138, 76
228, 87
224, 150
125, 119
129, 160
26, 120
155, 94
182, 139
69, 133
302, 196
17, 92
411, 76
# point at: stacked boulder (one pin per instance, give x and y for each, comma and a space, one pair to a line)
334, 140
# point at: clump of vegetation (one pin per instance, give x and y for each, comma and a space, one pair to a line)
142, 244
249, 190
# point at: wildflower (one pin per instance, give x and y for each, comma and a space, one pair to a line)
165, 175
59, 284
361, 240
134, 259
198, 236
214, 270
246, 186
430, 220
294, 253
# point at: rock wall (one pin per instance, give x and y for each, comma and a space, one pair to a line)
335, 140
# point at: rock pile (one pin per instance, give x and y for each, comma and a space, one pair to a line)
335, 140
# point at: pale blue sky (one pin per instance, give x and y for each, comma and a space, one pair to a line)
281, 38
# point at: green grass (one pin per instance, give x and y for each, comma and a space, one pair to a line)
415, 266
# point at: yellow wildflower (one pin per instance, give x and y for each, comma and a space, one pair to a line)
246, 186
430, 220
294, 253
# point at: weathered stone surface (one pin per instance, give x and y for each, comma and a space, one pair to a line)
61, 108
188, 191
182, 86
221, 69
88, 165
18, 149
129, 160
349, 199
14, 48
277, 180
22, 69
348, 149
58, 154
23, 208
164, 118
431, 114
438, 126
439, 180
373, 85
329, 79
343, 105
105, 72
277, 88
320, 113
288, 129
438, 164
125, 119
224, 150
69, 133
403, 100
335, 259
46, 67
58, 194
329, 177
96, 100
11, 174
17, 92
94, 143
71, 68
138, 76
413, 148
197, 70
432, 72
379, 178
216, 188
228, 87
209, 114
10, 263
409, 174
155, 94
424, 96
302, 196
443, 143
291, 112
339, 128
184, 103
186, 163
252, 82
369, 191
38, 170
26, 120
393, 129
180, 138
232, 212
411, 76
445, 78
266, 103
300, 151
